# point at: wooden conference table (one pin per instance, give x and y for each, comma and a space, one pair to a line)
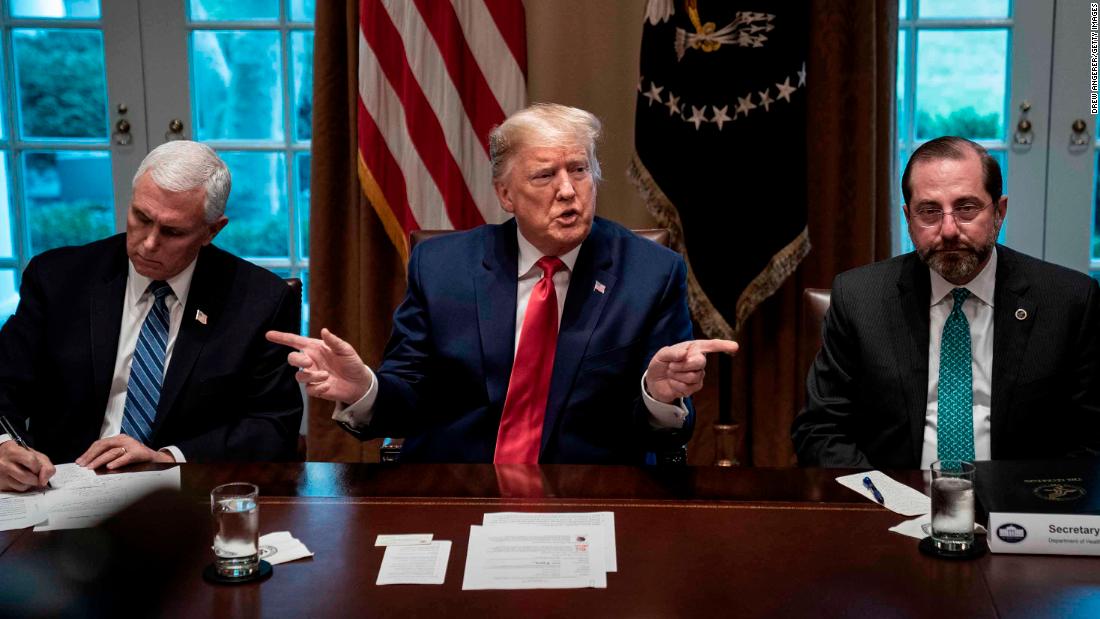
691, 542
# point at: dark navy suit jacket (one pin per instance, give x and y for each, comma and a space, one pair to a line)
445, 375
228, 394
867, 390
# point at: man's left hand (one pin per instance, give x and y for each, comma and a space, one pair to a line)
119, 451
677, 371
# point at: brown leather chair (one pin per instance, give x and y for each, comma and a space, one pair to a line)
815, 302
660, 236
390, 451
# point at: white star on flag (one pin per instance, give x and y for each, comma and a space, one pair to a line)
654, 94
720, 116
673, 104
785, 90
744, 104
802, 75
698, 116
765, 99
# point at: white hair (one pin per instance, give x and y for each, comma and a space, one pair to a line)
182, 165
544, 124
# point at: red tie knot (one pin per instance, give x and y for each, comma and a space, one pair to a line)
550, 265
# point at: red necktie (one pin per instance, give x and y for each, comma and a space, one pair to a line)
520, 434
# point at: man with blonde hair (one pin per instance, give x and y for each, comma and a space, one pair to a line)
556, 336
149, 345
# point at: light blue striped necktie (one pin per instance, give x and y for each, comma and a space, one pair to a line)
955, 427
147, 368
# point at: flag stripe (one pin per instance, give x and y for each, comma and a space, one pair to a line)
381, 103
482, 107
468, 149
426, 132
504, 75
372, 148
509, 17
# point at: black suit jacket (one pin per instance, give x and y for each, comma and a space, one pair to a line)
867, 390
228, 394
445, 375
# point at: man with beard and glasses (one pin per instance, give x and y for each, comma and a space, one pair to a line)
963, 349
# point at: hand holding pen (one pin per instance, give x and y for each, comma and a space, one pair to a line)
21, 468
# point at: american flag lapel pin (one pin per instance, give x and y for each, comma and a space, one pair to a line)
200, 317
599, 287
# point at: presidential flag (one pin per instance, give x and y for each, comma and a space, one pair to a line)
720, 154
435, 77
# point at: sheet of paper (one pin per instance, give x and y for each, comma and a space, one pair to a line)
89, 501
282, 547
604, 520
408, 539
70, 474
416, 564
899, 498
20, 510
535, 557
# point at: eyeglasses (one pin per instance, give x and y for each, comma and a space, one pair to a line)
964, 214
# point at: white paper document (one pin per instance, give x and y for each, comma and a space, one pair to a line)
282, 547
407, 539
415, 564
899, 498
604, 520
532, 556
20, 510
79, 500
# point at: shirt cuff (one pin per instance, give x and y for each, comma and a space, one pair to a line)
359, 414
663, 415
4, 438
175, 453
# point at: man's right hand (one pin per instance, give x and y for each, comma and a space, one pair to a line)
329, 367
23, 469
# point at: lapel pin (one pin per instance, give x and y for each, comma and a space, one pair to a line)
1021, 314
599, 287
200, 317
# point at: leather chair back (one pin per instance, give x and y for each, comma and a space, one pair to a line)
295, 284
815, 302
660, 236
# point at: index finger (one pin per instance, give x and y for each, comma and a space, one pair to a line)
288, 339
729, 347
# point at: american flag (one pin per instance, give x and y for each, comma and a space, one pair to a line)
435, 76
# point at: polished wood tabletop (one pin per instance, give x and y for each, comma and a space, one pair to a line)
691, 542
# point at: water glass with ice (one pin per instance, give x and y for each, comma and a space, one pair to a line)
236, 529
952, 505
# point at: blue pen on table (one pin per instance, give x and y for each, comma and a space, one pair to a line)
870, 485
7, 428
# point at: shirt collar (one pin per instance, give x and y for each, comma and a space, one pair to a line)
529, 255
981, 286
180, 283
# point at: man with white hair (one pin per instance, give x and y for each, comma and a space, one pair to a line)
149, 346
556, 336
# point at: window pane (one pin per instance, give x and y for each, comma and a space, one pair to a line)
61, 82
961, 78
900, 85
305, 302
302, 10
301, 162
257, 210
1096, 208
60, 9
225, 10
238, 89
970, 8
301, 48
903, 10
1002, 158
9, 294
6, 229
68, 197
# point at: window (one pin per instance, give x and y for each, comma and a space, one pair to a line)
236, 74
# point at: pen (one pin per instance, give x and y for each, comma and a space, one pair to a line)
7, 428
870, 485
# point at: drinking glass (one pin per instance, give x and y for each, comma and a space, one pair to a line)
952, 505
236, 529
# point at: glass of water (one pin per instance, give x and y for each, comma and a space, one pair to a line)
236, 529
952, 505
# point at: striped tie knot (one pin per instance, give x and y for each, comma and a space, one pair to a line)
160, 289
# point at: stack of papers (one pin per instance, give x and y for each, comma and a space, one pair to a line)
282, 547
80, 498
513, 550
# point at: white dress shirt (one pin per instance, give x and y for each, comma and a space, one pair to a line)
135, 306
662, 415
978, 309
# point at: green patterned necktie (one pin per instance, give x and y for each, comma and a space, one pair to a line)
955, 435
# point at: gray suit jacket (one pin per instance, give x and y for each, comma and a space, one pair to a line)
867, 390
